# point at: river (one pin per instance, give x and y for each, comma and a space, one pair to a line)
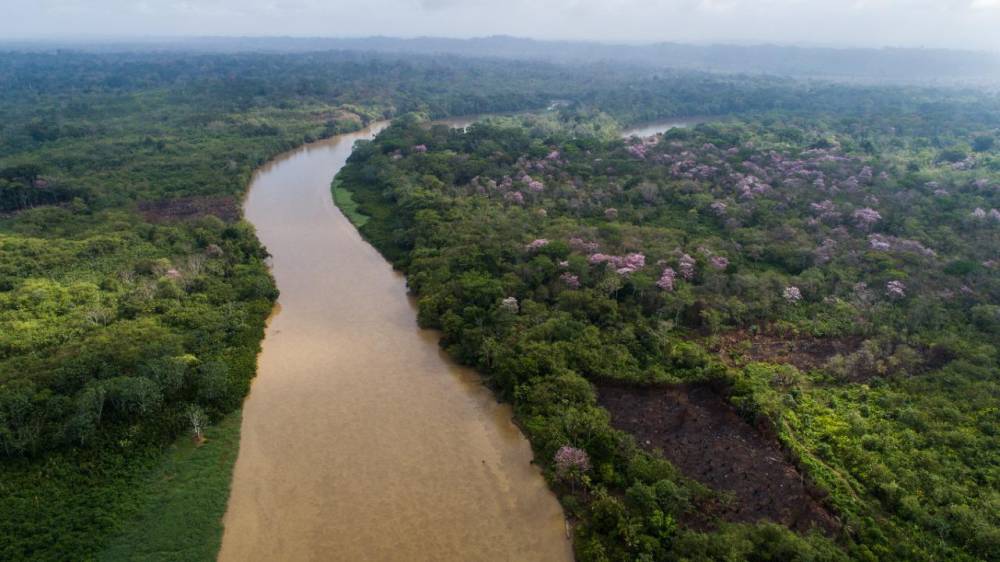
361, 440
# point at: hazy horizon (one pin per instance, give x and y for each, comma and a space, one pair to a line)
945, 24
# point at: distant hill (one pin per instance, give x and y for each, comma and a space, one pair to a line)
887, 64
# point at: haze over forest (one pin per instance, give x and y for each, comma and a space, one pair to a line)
957, 24
893, 40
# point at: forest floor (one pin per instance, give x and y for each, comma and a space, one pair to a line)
705, 438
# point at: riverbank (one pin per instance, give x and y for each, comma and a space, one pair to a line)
183, 500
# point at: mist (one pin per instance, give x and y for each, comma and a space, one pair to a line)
951, 24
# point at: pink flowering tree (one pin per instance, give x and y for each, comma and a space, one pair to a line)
792, 294
623, 265
718, 262
866, 217
895, 289
666, 281
537, 244
571, 463
686, 265
570, 280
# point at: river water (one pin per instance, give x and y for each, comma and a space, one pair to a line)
361, 440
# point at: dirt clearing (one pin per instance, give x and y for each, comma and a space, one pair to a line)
706, 439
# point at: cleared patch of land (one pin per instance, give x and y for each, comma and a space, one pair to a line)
705, 438
805, 353
183, 208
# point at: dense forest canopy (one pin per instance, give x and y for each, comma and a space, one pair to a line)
553, 260
565, 263
912, 65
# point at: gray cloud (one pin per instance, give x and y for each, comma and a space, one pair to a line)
970, 24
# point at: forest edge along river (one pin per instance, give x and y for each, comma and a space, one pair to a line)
360, 439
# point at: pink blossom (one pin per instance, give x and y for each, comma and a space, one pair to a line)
687, 267
826, 206
623, 265
865, 175
718, 262
792, 294
979, 213
536, 186
420, 148
867, 216
554, 155
719, 207
824, 253
581, 245
879, 243
637, 150
537, 244
570, 460
895, 289
666, 281
631, 263
516, 197
886, 243
571, 281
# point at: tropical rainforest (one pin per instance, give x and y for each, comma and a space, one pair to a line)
811, 274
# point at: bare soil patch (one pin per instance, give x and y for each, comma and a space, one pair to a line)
185, 208
339, 115
706, 439
806, 353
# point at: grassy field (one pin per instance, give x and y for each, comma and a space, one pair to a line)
185, 499
344, 199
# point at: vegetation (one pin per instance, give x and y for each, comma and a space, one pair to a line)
551, 254
180, 517
344, 200
555, 258
131, 295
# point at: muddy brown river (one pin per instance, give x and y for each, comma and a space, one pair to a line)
361, 440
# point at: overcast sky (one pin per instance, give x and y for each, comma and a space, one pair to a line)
966, 24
